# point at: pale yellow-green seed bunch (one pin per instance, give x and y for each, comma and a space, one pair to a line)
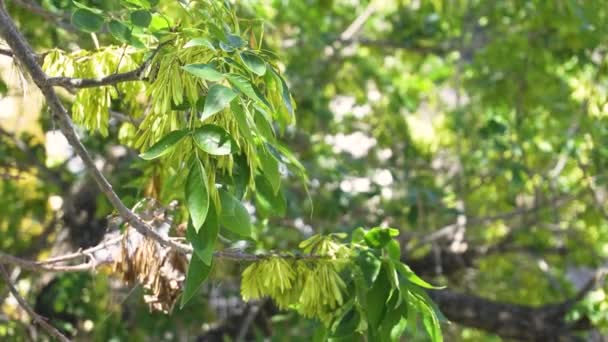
322, 291
91, 106
313, 287
325, 245
272, 277
171, 84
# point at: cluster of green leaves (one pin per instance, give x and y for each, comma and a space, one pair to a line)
214, 102
354, 289
128, 25
593, 307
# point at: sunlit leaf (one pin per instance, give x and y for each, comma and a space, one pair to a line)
163, 146
214, 140
200, 42
204, 71
246, 87
254, 63
217, 99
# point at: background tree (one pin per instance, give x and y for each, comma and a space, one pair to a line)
477, 128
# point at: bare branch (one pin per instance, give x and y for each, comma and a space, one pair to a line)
69, 82
51, 330
133, 75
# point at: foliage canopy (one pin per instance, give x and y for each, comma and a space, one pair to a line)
187, 192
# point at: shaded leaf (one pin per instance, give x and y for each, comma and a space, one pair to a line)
120, 31
141, 18
370, 266
197, 194
197, 273
234, 216
268, 202
270, 168
203, 241
87, 20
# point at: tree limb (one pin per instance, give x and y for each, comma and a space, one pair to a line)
51, 330
28, 59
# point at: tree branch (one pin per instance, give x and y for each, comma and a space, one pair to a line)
28, 59
506, 320
51, 330
133, 75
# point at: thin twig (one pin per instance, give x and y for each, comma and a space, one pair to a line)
51, 330
133, 75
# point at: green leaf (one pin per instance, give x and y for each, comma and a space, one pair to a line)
203, 241
120, 31
88, 8
348, 324
142, 3
235, 41
86, 20
378, 237
247, 88
234, 216
377, 297
284, 93
217, 99
370, 266
241, 119
197, 194
197, 273
393, 249
408, 274
268, 202
262, 123
270, 169
396, 309
200, 42
164, 144
141, 18
204, 71
429, 313
240, 175
254, 63
214, 140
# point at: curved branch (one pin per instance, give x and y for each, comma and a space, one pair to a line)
527, 323
28, 59
51, 330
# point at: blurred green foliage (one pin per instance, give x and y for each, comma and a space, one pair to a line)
429, 113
